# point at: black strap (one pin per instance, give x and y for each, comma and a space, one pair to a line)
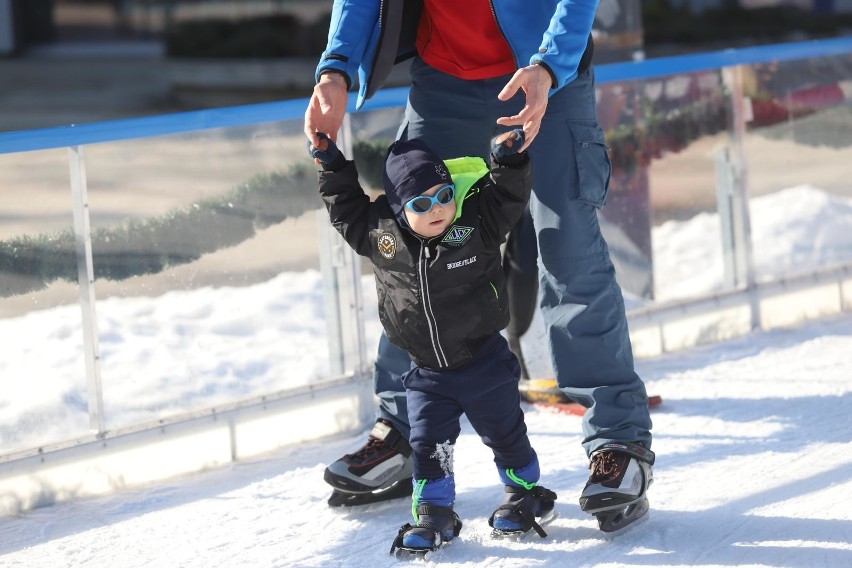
528, 520
632, 449
586, 59
398, 442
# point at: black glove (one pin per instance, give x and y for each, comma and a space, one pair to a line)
331, 157
504, 149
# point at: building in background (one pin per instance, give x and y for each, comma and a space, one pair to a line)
7, 28
822, 6
23, 23
28, 23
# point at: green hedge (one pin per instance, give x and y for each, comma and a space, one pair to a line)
137, 247
149, 246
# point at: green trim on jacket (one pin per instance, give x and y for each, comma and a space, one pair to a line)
465, 172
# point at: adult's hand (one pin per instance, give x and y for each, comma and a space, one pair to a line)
535, 81
326, 108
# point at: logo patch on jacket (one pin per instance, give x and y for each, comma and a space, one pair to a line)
460, 263
457, 235
387, 245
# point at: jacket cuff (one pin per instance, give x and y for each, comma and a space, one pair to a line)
553, 82
339, 162
512, 160
329, 66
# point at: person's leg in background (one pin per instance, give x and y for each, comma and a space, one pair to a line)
520, 266
381, 469
521, 271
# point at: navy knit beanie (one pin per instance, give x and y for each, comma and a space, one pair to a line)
410, 169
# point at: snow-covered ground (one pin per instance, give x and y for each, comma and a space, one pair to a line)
754, 439
754, 468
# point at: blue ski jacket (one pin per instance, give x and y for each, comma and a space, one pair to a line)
367, 37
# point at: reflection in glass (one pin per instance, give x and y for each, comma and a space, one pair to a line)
799, 148
663, 133
205, 256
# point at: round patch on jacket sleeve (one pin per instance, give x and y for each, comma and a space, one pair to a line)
387, 245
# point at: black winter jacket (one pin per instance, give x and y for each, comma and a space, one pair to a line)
439, 298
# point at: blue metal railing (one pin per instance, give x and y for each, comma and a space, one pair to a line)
144, 127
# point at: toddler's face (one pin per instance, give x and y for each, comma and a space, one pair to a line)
434, 221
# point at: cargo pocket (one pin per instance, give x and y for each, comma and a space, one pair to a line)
593, 164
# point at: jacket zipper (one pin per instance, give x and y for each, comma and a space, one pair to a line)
502, 33
423, 263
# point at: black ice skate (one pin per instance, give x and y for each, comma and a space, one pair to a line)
433, 527
522, 510
621, 472
378, 471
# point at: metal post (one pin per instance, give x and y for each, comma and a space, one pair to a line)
86, 282
341, 271
329, 250
741, 114
351, 302
724, 200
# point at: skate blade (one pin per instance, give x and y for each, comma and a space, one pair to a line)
615, 524
519, 534
401, 551
347, 485
615, 506
400, 490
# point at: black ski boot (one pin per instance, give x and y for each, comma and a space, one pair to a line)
621, 473
433, 527
520, 509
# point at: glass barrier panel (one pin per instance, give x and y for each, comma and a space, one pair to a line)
625, 220
799, 150
42, 370
664, 149
372, 132
206, 268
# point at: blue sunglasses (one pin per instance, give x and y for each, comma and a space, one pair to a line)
423, 203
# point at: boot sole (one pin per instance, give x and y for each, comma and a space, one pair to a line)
400, 489
517, 535
348, 485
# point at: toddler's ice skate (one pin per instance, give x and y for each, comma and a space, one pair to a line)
433, 527
522, 510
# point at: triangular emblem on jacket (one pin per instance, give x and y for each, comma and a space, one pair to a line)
457, 235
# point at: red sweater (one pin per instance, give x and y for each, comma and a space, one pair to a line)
461, 38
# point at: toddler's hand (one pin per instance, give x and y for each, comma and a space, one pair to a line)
507, 144
327, 152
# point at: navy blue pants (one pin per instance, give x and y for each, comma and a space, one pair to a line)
486, 390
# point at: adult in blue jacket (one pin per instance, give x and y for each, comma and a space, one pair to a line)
482, 67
